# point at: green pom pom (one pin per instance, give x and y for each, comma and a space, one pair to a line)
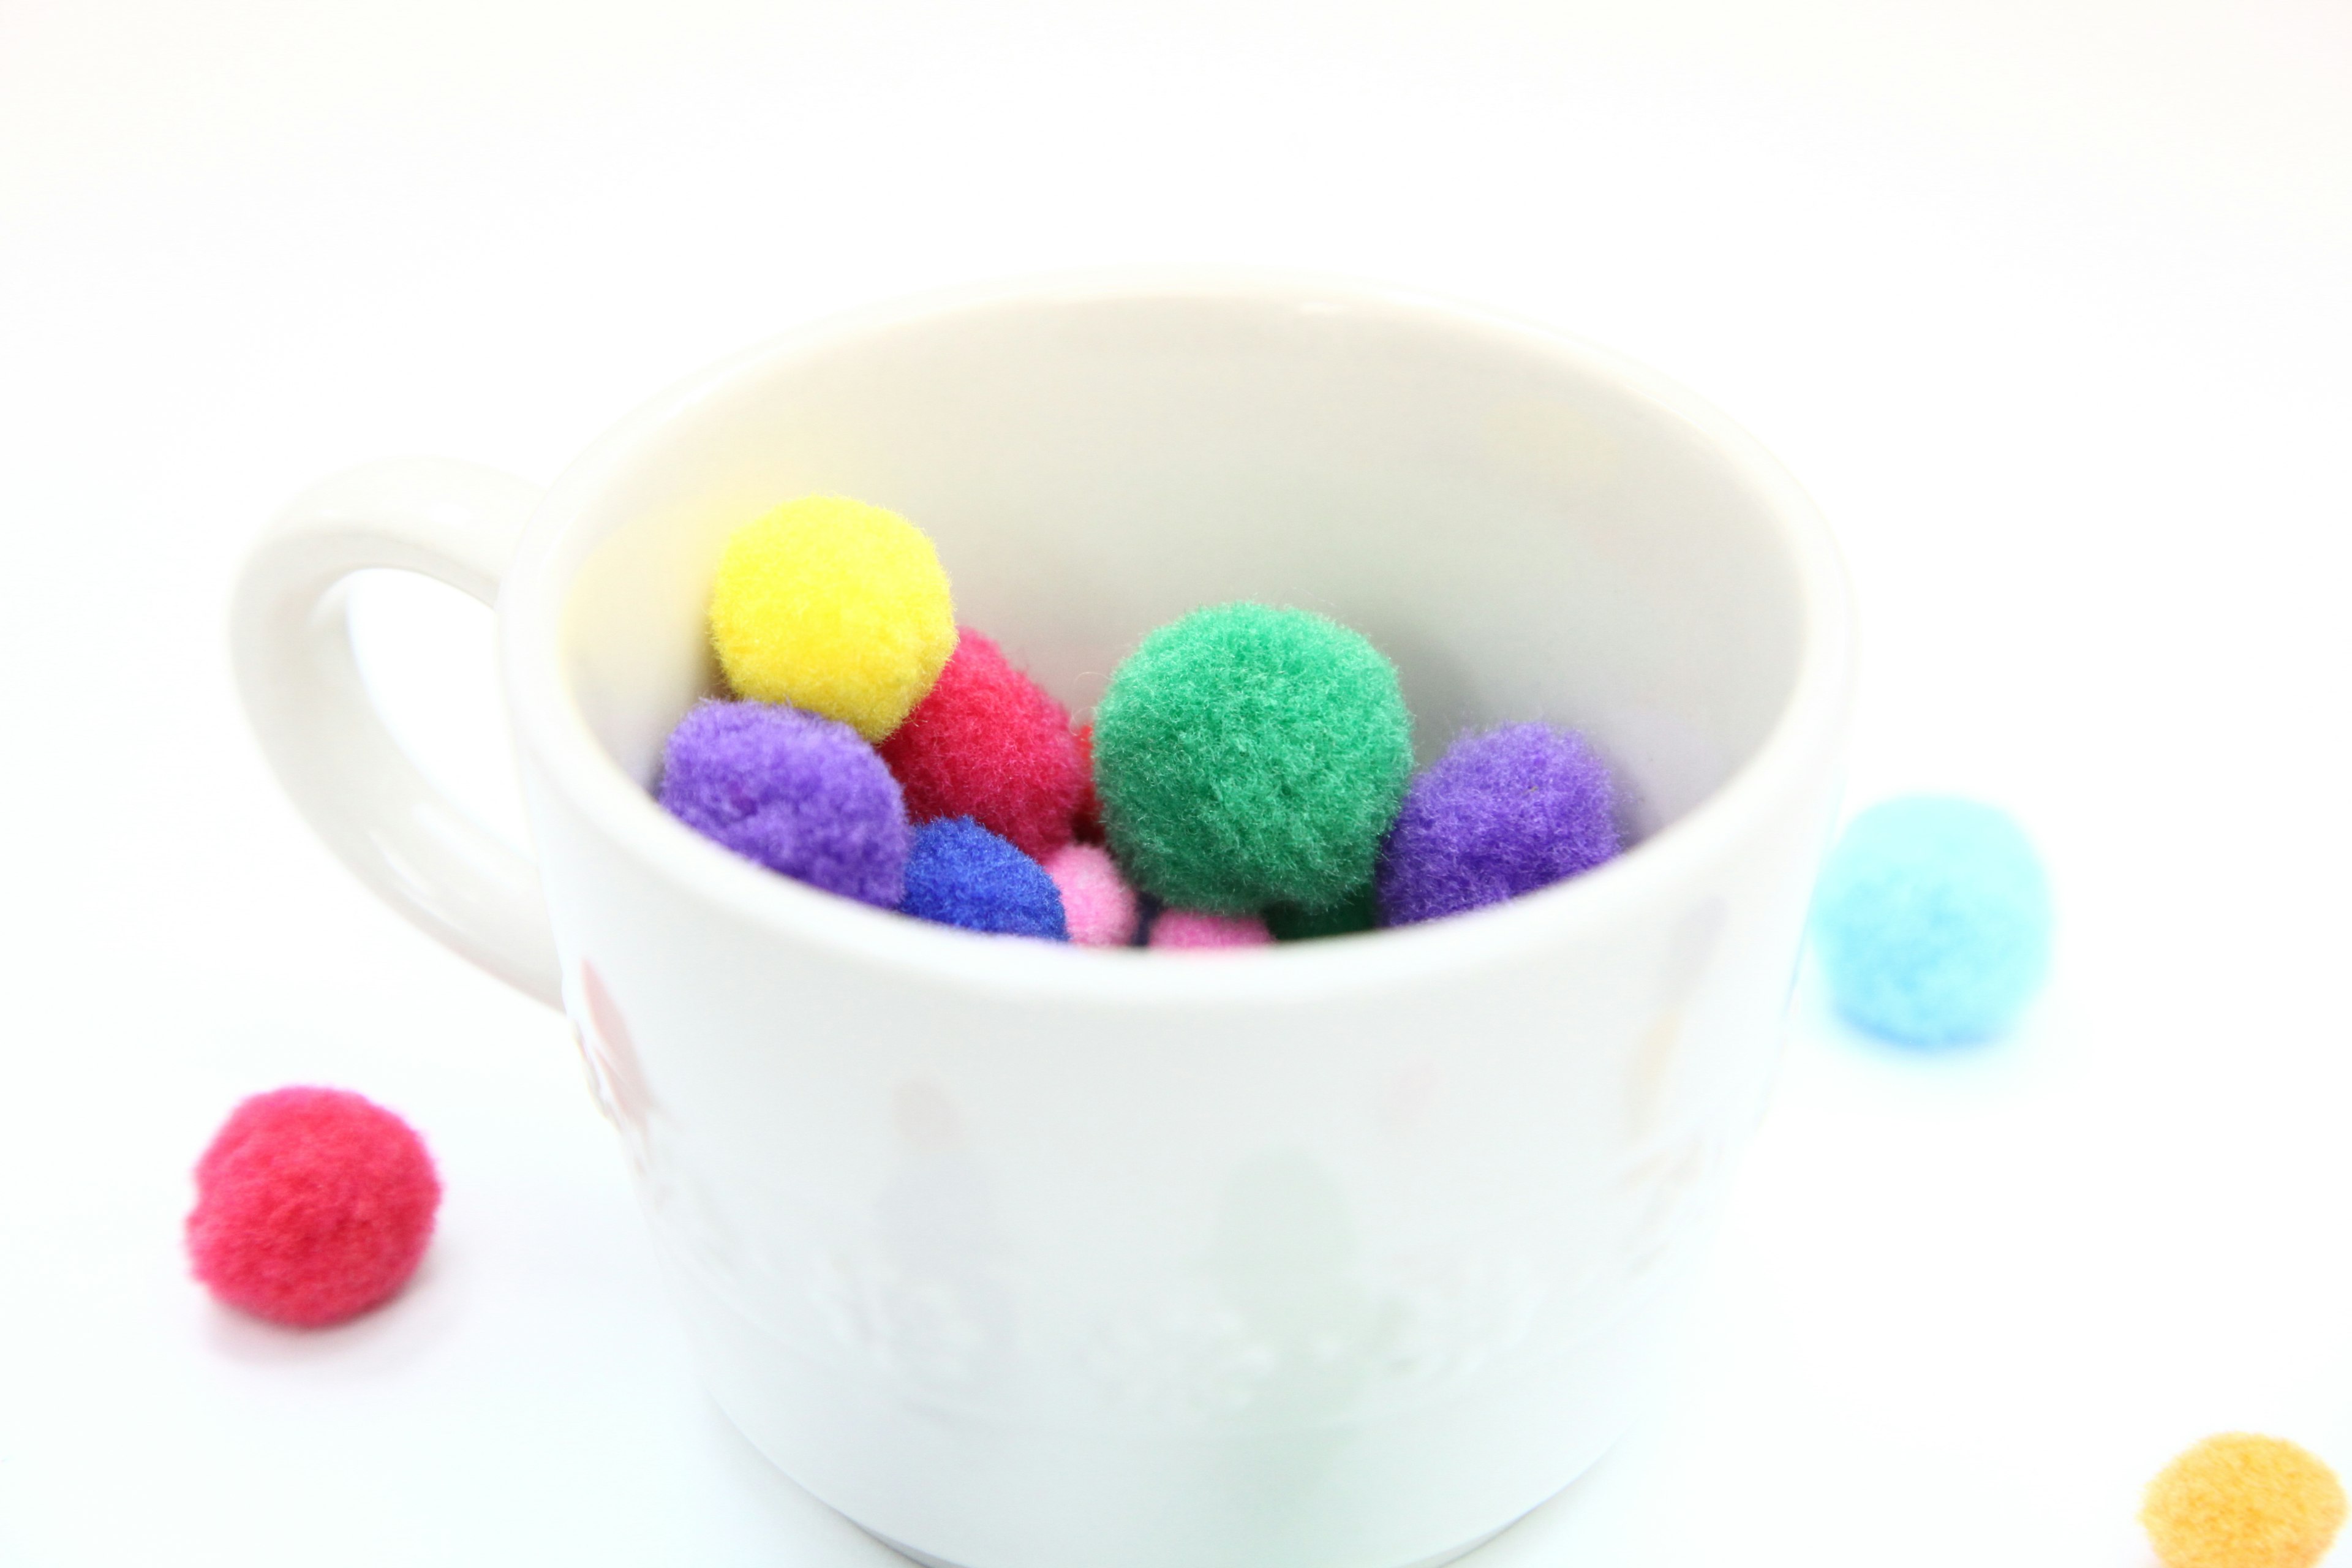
1359, 911
1249, 756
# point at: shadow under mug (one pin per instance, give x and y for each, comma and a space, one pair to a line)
1338, 1255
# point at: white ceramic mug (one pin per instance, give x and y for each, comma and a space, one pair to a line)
1338, 1255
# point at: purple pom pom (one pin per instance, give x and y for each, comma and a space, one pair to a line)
798, 794
1499, 814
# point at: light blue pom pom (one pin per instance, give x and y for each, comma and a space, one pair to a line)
1932, 921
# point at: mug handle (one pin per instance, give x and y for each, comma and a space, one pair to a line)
289, 630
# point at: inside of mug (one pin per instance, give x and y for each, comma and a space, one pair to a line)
1526, 535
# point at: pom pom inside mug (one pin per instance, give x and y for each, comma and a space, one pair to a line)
1523, 547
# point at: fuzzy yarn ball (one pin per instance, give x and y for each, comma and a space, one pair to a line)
1099, 907
988, 743
1501, 814
2237, 1500
312, 1206
1359, 911
1248, 756
1932, 921
833, 606
1199, 930
960, 873
798, 793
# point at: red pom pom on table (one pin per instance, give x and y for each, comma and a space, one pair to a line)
988, 743
312, 1206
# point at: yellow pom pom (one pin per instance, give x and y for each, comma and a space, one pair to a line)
833, 606
2241, 1501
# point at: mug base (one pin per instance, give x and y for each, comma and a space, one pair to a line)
1026, 1499
1452, 1555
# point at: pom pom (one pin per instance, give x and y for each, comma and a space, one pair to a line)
833, 606
1357, 913
1501, 814
960, 873
312, 1206
1932, 921
1099, 906
1199, 930
1087, 823
2241, 1501
1250, 756
988, 743
800, 795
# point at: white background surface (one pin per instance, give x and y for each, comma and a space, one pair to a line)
2046, 299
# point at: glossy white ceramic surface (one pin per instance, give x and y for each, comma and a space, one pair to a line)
1336, 1255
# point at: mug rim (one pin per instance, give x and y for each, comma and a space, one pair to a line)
552, 730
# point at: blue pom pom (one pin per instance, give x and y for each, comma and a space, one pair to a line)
1932, 921
960, 873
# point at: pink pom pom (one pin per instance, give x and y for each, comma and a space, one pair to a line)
312, 1206
1095, 899
1194, 929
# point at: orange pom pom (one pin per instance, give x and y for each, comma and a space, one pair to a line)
2243, 1502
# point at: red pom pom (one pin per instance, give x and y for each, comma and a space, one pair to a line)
1089, 825
312, 1206
988, 743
